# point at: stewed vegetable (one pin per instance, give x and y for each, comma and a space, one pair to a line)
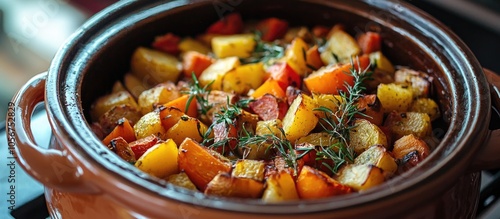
268, 111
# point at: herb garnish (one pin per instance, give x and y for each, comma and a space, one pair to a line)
339, 123
283, 146
201, 95
264, 51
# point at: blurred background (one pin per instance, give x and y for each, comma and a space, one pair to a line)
31, 31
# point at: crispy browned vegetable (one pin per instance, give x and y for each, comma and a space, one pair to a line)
194, 160
225, 185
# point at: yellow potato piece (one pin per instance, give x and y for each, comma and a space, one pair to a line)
379, 157
190, 44
395, 97
401, 124
364, 135
295, 56
160, 160
215, 72
150, 124
341, 47
280, 187
243, 78
105, 103
149, 99
251, 169
300, 118
426, 105
382, 62
182, 180
239, 45
155, 66
361, 177
186, 127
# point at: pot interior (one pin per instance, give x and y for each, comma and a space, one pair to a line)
99, 54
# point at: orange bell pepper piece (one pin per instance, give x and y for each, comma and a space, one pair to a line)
313, 58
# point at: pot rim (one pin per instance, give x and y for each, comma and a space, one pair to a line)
69, 124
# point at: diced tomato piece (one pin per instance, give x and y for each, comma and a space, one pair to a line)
370, 42
168, 43
320, 31
140, 146
230, 24
284, 75
272, 28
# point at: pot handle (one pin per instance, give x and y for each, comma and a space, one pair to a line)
489, 156
52, 167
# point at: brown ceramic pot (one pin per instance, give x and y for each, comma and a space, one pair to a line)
84, 179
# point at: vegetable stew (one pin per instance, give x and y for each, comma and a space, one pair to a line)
269, 111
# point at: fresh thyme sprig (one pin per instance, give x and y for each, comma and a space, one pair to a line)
201, 95
227, 115
339, 123
284, 147
264, 51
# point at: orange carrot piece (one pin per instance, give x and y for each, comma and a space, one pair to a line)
123, 129
230, 24
272, 28
313, 58
199, 163
195, 62
331, 79
168, 43
270, 86
370, 42
181, 103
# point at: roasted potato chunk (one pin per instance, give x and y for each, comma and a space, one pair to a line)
395, 97
243, 78
280, 187
322, 139
426, 105
251, 169
225, 185
295, 56
110, 119
135, 85
371, 108
182, 180
401, 124
155, 66
239, 45
409, 143
150, 124
300, 118
365, 134
340, 47
107, 102
361, 177
152, 98
378, 156
186, 127
419, 81
215, 72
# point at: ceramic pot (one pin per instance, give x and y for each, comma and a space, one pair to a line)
84, 179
